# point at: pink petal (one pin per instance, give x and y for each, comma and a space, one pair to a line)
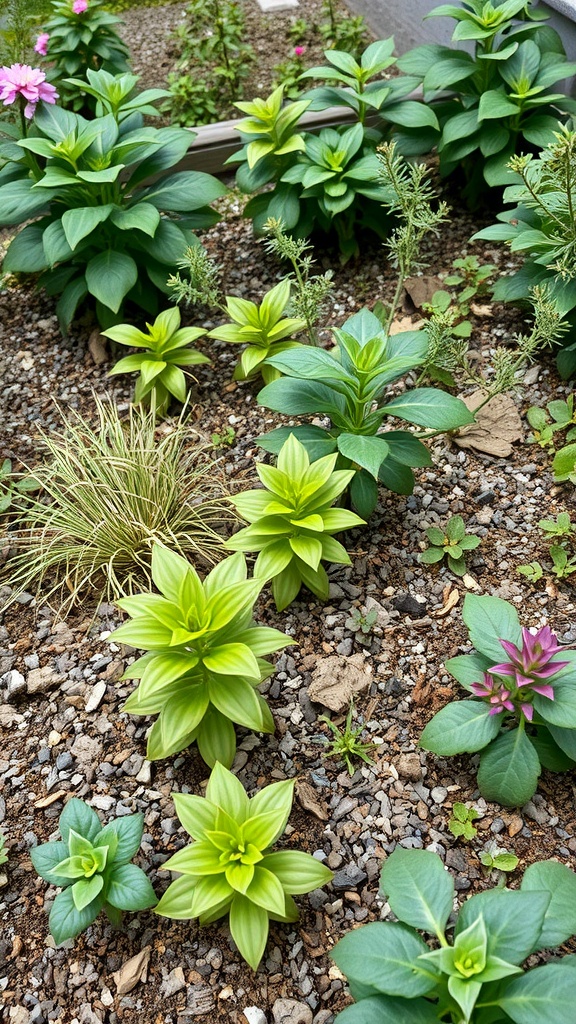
545, 691
528, 711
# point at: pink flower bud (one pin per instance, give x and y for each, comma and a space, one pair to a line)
79, 6
41, 45
299, 50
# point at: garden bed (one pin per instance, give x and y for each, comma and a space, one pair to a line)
61, 689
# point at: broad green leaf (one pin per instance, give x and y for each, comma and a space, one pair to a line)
429, 407
389, 1010
266, 891
45, 857
236, 698
226, 791
384, 956
110, 276
513, 921
232, 659
468, 668
297, 872
195, 813
367, 452
82, 221
559, 882
463, 726
216, 739
79, 817
129, 889
560, 712
489, 619
509, 769
419, 890
249, 929
544, 995
128, 832
66, 922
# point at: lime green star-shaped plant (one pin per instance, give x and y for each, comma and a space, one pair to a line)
231, 867
166, 350
292, 522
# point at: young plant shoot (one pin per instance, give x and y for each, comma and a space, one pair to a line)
231, 867
205, 656
92, 866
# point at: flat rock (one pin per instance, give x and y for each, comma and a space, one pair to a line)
40, 680
408, 767
15, 684
86, 750
349, 877
132, 972
173, 982
9, 716
336, 680
291, 1011
96, 694
254, 1015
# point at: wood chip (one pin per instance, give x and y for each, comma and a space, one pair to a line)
420, 290
336, 680
97, 347
51, 798
450, 601
132, 972
308, 800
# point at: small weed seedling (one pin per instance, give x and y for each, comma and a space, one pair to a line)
3, 852
11, 486
362, 624
460, 824
495, 858
451, 543
558, 415
225, 439
563, 532
472, 278
346, 743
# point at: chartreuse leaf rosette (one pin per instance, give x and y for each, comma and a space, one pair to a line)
230, 868
292, 522
205, 656
469, 972
92, 866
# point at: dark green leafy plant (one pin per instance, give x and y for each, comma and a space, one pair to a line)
562, 532
230, 868
473, 975
349, 384
270, 136
92, 866
558, 415
101, 235
523, 715
346, 743
166, 350
292, 522
502, 95
471, 281
82, 37
342, 31
205, 657
461, 822
451, 544
119, 95
361, 623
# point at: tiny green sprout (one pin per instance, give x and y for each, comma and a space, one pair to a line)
11, 486
533, 571
562, 564
460, 824
362, 623
450, 543
558, 415
346, 743
559, 527
226, 438
473, 277
495, 858
3, 852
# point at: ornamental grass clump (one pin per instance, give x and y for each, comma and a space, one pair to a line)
166, 350
205, 657
92, 866
473, 975
110, 491
523, 713
292, 522
231, 867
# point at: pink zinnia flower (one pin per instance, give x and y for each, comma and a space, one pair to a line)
79, 6
22, 80
299, 50
42, 43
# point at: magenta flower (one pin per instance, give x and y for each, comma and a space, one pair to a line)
533, 662
79, 6
299, 50
495, 693
41, 45
30, 83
